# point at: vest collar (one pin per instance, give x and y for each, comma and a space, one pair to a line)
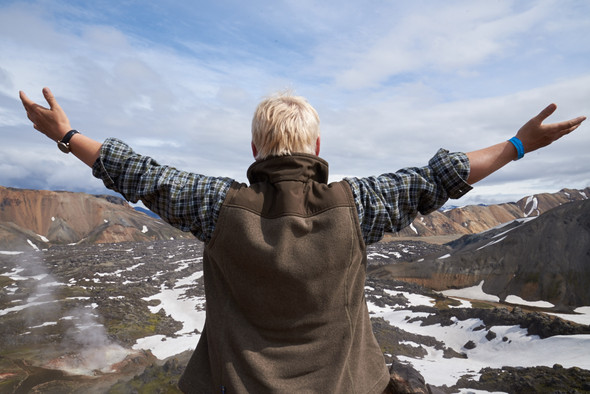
296, 167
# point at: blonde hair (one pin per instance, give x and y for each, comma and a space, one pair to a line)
284, 124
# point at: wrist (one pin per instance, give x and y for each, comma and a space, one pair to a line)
518, 146
64, 143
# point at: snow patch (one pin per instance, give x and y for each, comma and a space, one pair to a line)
512, 299
535, 202
493, 242
32, 245
473, 292
581, 315
373, 255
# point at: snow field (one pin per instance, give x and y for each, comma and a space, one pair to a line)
517, 349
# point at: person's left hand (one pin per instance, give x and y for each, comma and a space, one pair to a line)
52, 121
534, 134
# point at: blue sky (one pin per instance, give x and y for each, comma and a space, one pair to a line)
392, 82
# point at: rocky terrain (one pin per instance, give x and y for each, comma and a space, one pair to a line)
81, 313
542, 259
73, 318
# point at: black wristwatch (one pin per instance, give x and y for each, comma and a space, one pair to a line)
64, 143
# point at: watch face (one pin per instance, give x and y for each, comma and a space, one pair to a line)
65, 148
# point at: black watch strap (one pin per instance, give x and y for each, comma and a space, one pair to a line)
64, 143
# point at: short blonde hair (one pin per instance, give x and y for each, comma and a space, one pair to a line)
284, 124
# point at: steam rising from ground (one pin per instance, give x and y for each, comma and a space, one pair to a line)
85, 346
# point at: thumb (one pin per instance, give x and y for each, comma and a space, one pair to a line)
50, 98
545, 113
24, 98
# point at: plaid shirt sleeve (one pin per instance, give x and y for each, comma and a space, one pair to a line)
390, 202
190, 202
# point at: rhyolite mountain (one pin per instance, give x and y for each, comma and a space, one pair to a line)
546, 258
41, 218
473, 219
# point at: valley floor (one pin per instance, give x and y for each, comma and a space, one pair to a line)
75, 307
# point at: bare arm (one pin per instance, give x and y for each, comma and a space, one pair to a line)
54, 123
534, 135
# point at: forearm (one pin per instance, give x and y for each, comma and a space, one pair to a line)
85, 148
484, 162
188, 201
390, 202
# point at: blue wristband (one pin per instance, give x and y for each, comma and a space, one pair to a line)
519, 147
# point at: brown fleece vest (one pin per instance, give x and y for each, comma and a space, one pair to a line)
284, 278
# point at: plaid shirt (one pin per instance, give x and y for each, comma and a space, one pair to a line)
191, 202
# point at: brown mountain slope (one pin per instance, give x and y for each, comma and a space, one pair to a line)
43, 217
473, 219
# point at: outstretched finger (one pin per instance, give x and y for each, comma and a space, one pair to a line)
545, 113
50, 98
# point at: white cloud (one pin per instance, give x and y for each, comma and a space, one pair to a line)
392, 82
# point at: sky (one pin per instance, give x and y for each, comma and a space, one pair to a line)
392, 82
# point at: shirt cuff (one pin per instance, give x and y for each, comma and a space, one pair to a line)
107, 165
452, 169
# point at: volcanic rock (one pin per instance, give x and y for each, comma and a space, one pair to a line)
541, 259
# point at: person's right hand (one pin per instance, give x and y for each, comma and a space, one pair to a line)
52, 121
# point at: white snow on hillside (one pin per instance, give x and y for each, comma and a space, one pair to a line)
535, 202
512, 299
581, 315
517, 350
473, 293
492, 242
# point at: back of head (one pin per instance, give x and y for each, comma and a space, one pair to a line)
284, 124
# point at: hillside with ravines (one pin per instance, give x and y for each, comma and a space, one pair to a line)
473, 219
42, 218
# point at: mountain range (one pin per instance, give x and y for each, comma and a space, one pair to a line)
473, 219
41, 218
